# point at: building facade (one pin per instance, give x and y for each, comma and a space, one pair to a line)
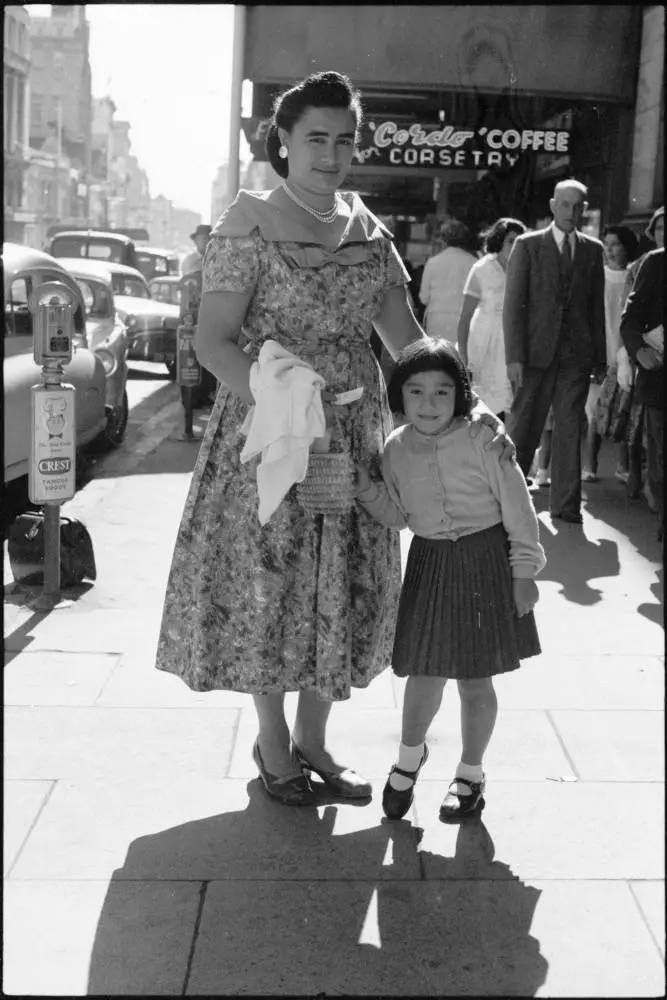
476, 111
16, 120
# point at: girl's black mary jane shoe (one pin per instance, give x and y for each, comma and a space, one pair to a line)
395, 802
457, 806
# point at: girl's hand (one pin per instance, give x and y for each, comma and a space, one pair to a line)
526, 596
501, 441
363, 479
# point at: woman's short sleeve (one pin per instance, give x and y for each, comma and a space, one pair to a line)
231, 264
396, 272
473, 285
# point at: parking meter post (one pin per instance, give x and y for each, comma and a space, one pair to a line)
188, 369
52, 471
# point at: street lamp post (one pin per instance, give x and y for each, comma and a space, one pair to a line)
233, 176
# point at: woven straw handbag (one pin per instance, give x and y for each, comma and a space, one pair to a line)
329, 485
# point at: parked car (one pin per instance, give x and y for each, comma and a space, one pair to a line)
96, 244
156, 263
166, 289
107, 336
24, 270
151, 324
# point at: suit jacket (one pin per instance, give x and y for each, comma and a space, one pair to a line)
643, 312
540, 313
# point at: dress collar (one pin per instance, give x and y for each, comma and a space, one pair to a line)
252, 210
429, 439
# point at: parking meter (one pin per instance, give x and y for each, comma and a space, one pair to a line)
52, 470
53, 323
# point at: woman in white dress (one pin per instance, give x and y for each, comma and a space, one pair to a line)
443, 281
480, 329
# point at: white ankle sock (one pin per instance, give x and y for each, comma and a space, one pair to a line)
471, 772
409, 759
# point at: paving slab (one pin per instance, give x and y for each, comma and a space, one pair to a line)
614, 746
524, 743
47, 678
102, 742
22, 803
202, 829
487, 938
596, 681
82, 938
78, 630
650, 896
551, 830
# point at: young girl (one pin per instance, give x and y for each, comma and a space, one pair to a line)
466, 605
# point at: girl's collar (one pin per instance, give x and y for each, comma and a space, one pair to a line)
455, 424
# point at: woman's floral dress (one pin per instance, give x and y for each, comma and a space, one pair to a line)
306, 602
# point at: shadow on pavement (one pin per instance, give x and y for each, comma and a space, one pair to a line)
271, 900
573, 560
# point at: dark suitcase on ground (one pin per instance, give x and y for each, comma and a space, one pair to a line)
25, 543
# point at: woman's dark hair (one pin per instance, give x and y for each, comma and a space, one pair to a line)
626, 238
429, 355
320, 90
456, 234
494, 237
650, 229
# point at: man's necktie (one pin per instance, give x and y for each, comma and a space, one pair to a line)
567, 257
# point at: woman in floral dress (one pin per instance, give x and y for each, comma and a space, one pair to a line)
306, 602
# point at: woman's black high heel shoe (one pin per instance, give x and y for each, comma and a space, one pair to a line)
294, 790
396, 802
346, 783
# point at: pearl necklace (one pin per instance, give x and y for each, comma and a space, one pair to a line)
327, 217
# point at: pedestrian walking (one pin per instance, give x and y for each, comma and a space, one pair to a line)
553, 319
443, 280
642, 331
194, 261
192, 269
466, 605
620, 249
304, 602
481, 342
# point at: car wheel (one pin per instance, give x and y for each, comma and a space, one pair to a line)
114, 433
171, 368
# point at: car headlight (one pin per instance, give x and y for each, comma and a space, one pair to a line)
108, 361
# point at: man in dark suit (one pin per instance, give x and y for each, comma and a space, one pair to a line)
554, 326
643, 335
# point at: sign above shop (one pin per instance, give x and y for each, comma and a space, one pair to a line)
390, 143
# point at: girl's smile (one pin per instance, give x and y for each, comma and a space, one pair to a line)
429, 401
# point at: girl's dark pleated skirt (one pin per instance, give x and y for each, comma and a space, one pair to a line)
456, 616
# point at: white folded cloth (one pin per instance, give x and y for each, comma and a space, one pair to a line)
287, 417
624, 374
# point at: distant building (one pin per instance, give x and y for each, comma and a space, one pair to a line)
60, 81
16, 120
219, 194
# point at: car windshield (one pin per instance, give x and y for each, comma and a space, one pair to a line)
72, 246
153, 261
165, 291
96, 298
124, 284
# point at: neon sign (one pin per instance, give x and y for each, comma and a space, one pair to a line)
417, 145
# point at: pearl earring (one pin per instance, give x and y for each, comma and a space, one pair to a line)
282, 152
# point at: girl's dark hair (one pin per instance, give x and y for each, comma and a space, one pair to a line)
626, 238
494, 237
319, 90
429, 355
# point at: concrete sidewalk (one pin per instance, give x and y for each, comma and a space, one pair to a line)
142, 857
